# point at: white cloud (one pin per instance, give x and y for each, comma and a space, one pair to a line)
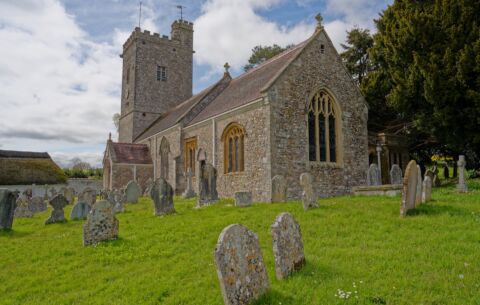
227, 30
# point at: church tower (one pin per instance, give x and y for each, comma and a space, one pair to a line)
157, 75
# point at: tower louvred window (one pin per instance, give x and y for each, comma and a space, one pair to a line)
161, 73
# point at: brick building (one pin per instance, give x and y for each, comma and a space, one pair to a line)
297, 112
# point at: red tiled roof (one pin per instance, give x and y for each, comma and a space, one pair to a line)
130, 153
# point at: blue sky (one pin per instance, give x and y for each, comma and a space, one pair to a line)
60, 70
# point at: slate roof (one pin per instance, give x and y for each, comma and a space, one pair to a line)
23, 154
130, 153
242, 90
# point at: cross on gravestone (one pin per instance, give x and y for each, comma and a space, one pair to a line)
189, 193
240, 267
461, 186
58, 203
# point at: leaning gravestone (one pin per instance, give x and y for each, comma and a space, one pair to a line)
373, 175
133, 192
162, 195
279, 189
461, 186
7, 209
418, 192
427, 189
240, 267
287, 245
80, 210
58, 203
208, 186
409, 191
101, 224
189, 193
243, 199
308, 195
22, 209
396, 174
37, 204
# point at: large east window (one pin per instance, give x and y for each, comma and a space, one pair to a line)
233, 140
322, 128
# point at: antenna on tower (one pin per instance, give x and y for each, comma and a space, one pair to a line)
140, 13
181, 7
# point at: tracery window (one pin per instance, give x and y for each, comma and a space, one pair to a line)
322, 128
190, 148
233, 139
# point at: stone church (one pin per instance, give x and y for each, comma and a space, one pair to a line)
297, 112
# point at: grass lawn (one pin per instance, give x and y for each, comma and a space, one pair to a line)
430, 257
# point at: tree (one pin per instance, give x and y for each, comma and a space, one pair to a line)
78, 164
355, 56
427, 62
260, 54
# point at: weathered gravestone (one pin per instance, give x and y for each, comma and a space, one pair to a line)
69, 194
101, 224
133, 192
287, 245
162, 195
240, 267
373, 175
308, 195
80, 210
7, 209
53, 193
446, 171
22, 209
88, 195
461, 186
37, 204
409, 191
58, 203
208, 185
148, 187
243, 199
279, 189
189, 193
436, 180
429, 173
418, 192
427, 189
396, 174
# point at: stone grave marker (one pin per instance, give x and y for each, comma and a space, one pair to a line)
148, 187
373, 175
88, 195
446, 171
279, 189
240, 267
287, 245
461, 186
436, 180
162, 195
37, 204
80, 211
58, 203
418, 192
243, 199
409, 191
396, 175
309, 198
133, 192
101, 224
7, 209
189, 193
208, 185
22, 209
427, 189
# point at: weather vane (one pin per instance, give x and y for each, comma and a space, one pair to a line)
181, 7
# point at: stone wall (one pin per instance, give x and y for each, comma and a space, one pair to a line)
289, 97
124, 173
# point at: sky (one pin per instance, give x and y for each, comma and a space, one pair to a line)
60, 70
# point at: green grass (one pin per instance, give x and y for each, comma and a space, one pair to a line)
430, 257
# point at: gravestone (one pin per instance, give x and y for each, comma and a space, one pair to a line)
461, 186
133, 192
279, 189
287, 245
373, 175
189, 193
243, 199
53, 193
148, 187
429, 173
418, 192
58, 203
69, 194
37, 204
88, 195
436, 180
208, 185
22, 209
162, 195
427, 189
101, 224
308, 195
409, 191
396, 174
7, 209
446, 171
80, 211
240, 267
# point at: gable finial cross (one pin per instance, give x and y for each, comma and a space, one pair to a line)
227, 67
319, 21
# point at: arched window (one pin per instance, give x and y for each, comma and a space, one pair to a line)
164, 150
233, 140
190, 148
322, 128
